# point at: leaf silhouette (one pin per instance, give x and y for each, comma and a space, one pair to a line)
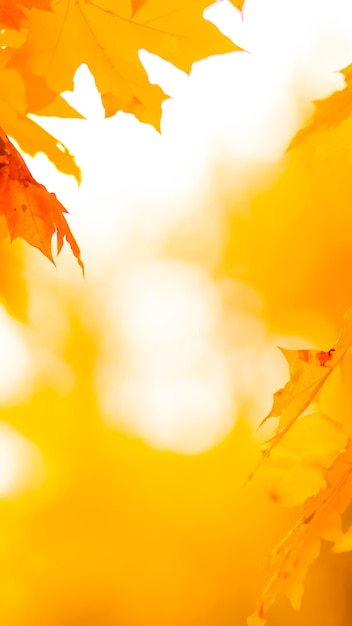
329, 112
288, 563
31, 212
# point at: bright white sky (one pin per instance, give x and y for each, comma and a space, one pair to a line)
180, 391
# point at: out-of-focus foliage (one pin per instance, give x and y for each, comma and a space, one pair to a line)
112, 530
301, 271
321, 519
300, 228
114, 519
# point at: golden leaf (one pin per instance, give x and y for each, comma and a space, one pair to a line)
309, 370
107, 37
288, 563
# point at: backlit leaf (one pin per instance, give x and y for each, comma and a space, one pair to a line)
107, 37
297, 463
321, 519
31, 212
309, 369
29, 135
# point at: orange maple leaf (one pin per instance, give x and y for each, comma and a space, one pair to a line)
329, 112
31, 212
321, 519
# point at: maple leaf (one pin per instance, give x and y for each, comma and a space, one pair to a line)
309, 370
14, 109
288, 563
29, 135
107, 37
330, 112
31, 212
297, 463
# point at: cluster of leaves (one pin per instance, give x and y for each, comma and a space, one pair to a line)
317, 378
315, 402
42, 44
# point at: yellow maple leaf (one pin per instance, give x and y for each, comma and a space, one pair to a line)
107, 37
15, 95
31, 137
309, 370
321, 519
296, 465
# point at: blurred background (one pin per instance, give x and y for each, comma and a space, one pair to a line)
130, 399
